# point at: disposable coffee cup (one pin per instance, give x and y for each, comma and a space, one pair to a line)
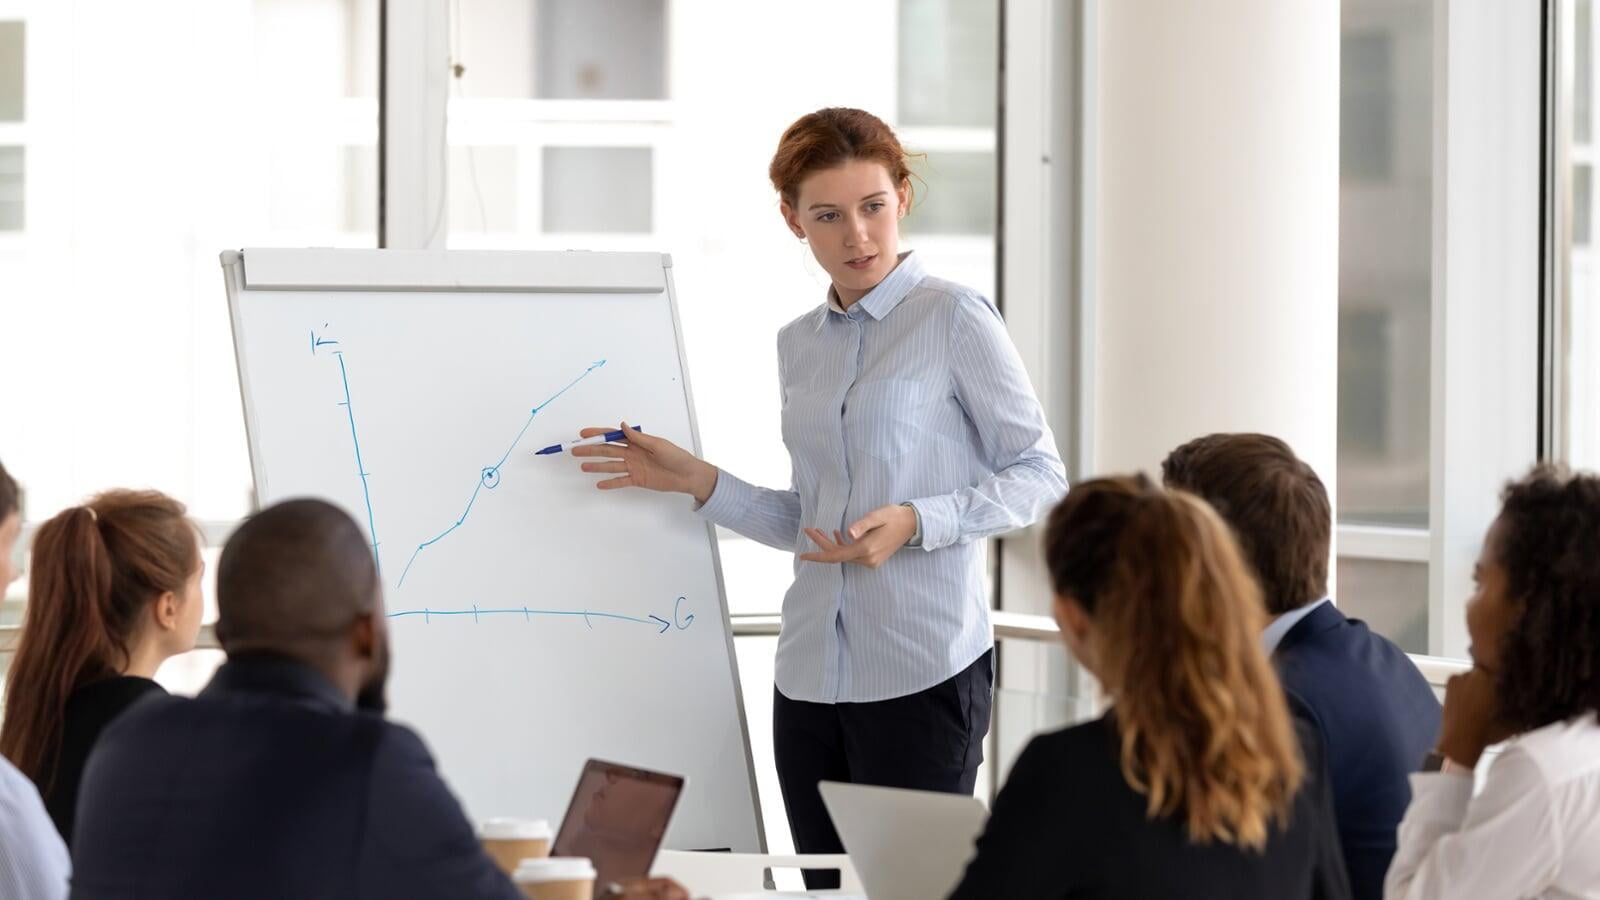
556, 878
510, 841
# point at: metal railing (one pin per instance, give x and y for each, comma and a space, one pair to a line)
1008, 626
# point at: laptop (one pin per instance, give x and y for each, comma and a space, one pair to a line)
617, 818
905, 845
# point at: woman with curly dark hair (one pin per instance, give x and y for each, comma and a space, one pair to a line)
1534, 830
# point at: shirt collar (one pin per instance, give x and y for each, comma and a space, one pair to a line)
882, 299
1274, 633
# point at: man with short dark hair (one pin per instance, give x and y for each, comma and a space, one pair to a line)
1375, 713
282, 779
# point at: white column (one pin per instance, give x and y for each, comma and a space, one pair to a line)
1216, 219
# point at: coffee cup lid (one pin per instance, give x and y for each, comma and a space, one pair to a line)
554, 868
507, 829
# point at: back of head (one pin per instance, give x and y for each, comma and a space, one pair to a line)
1548, 543
10, 495
293, 579
1274, 502
96, 570
10, 527
1203, 725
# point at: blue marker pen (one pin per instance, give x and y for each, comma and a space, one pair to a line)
597, 439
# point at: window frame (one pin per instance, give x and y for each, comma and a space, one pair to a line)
1482, 432
17, 134
1488, 71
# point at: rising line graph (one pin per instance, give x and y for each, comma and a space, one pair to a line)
489, 476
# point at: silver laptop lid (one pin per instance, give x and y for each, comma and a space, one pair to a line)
905, 845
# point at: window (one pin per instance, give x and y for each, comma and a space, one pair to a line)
1385, 259
648, 125
600, 49
597, 189
12, 66
1385, 284
1391, 596
617, 126
1366, 104
957, 196
11, 188
1578, 429
13, 100
170, 139
948, 76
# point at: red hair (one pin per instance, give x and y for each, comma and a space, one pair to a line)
95, 570
832, 137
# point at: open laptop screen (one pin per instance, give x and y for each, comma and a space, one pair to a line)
617, 818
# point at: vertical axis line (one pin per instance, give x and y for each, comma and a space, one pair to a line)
361, 468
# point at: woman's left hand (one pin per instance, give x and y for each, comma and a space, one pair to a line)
869, 542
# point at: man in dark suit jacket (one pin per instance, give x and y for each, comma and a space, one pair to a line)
1373, 711
276, 781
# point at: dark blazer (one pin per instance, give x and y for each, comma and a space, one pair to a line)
89, 710
1067, 824
1376, 717
270, 784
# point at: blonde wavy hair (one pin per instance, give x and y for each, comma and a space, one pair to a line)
1204, 729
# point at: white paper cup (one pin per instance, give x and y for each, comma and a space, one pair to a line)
510, 841
556, 878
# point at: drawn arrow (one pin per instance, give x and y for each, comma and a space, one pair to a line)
664, 623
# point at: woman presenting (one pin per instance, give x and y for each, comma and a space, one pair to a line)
913, 434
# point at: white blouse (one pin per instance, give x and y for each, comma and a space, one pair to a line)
1534, 831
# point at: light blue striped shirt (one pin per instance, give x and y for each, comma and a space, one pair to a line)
33, 859
917, 395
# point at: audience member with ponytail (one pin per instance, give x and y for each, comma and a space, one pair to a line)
1195, 783
114, 590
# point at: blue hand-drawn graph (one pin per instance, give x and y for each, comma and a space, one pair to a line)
488, 478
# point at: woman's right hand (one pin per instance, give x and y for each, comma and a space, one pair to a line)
649, 462
1470, 720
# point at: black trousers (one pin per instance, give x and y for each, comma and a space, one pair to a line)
931, 740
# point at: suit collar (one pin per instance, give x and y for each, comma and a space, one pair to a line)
265, 673
1325, 617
